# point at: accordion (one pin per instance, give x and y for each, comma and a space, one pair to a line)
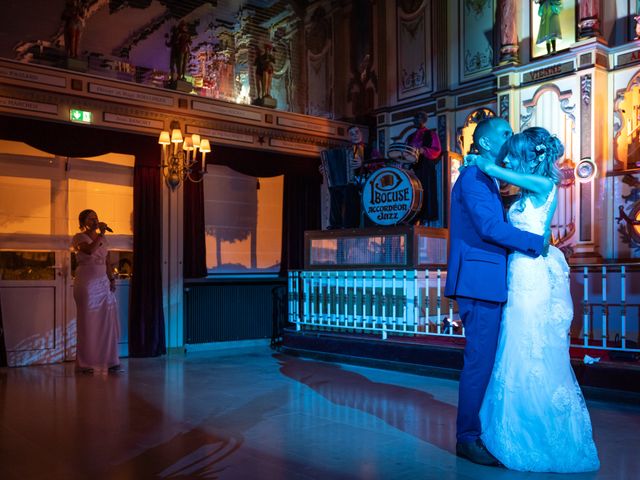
336, 163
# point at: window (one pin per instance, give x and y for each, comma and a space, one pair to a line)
114, 204
25, 205
243, 222
41, 196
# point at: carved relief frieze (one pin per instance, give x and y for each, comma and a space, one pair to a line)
585, 116
585, 90
504, 107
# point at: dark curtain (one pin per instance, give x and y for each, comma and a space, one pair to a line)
301, 196
146, 320
301, 211
194, 260
3, 346
146, 333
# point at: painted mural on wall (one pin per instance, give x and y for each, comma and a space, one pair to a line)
476, 26
553, 26
414, 52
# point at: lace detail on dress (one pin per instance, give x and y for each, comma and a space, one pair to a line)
533, 416
525, 216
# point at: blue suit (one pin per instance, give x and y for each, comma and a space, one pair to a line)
479, 241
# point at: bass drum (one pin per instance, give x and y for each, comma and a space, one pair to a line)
391, 196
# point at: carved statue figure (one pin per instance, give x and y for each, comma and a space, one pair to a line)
180, 43
589, 18
508, 27
73, 17
549, 12
508, 32
264, 63
589, 9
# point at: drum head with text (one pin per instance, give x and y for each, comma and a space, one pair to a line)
391, 196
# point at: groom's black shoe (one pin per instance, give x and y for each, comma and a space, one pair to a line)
476, 452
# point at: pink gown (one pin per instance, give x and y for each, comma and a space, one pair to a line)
98, 328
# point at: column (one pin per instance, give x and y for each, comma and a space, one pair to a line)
172, 276
508, 31
589, 19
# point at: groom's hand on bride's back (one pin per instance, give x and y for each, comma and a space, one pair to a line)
546, 243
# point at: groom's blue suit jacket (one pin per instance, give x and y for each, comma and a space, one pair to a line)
480, 239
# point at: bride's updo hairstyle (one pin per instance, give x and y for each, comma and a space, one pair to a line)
537, 150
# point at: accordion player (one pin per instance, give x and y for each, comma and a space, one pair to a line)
336, 164
338, 168
344, 170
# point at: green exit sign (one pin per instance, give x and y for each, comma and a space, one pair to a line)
80, 116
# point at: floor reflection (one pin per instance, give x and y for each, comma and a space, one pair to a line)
248, 414
412, 411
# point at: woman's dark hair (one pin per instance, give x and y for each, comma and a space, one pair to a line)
83, 216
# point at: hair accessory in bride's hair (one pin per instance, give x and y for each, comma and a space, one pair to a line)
541, 150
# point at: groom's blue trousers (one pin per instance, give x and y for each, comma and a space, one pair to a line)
481, 321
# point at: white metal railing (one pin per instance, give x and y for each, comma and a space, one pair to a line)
609, 310
387, 302
410, 302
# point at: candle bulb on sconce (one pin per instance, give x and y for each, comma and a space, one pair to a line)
204, 148
180, 162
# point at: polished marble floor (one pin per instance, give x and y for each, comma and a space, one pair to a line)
250, 413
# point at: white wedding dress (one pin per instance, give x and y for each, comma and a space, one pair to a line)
533, 416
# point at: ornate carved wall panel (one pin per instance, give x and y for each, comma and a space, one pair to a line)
626, 126
362, 87
476, 44
552, 108
414, 48
319, 57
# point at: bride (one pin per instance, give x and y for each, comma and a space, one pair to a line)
533, 416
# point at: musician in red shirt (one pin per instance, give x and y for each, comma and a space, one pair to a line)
428, 144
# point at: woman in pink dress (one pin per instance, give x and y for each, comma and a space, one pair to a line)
93, 291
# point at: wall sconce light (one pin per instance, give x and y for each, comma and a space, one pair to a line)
180, 156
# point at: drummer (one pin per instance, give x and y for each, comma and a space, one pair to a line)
428, 145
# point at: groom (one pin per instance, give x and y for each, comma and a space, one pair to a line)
480, 239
